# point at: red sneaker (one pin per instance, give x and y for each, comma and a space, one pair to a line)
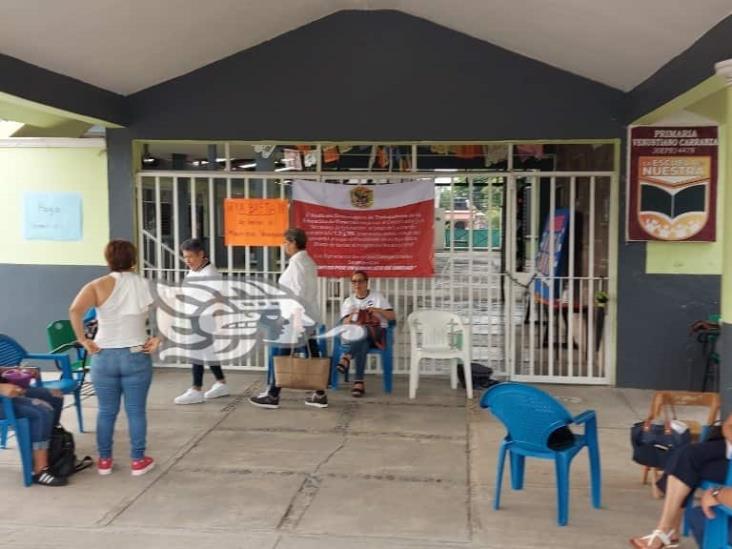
142, 466
104, 466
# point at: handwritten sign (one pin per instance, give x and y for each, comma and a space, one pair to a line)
254, 221
52, 216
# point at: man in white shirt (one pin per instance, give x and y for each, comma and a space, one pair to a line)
301, 274
301, 278
196, 259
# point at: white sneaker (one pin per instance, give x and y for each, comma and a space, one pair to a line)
191, 396
217, 390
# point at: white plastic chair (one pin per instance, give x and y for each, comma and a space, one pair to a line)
439, 334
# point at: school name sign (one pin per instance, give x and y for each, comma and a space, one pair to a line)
672, 183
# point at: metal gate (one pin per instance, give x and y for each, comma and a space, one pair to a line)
562, 322
485, 248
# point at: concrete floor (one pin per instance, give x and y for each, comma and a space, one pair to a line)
379, 472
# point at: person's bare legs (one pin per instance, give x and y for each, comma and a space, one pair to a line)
40, 460
676, 493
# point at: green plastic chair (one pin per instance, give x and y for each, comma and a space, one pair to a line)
61, 339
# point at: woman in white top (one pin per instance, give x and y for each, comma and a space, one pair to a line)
301, 278
121, 364
363, 299
195, 257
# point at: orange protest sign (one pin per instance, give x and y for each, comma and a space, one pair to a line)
254, 221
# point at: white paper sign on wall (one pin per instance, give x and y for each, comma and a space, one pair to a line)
52, 216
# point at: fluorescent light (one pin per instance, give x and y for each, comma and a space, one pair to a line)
445, 169
249, 165
285, 169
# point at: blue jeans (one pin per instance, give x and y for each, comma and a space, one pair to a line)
359, 351
43, 411
117, 373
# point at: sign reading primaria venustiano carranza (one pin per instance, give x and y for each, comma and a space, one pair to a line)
672, 183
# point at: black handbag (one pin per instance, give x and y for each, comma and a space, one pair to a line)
654, 443
480, 374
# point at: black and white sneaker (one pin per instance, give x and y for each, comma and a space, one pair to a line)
265, 400
45, 478
317, 401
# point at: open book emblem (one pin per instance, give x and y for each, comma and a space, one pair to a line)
673, 194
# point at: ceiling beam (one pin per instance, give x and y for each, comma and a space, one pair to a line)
74, 98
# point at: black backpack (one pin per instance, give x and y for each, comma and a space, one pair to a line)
62, 460
481, 376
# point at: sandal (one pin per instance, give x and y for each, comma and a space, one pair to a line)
666, 538
358, 389
343, 364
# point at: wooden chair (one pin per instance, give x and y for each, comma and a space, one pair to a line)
679, 399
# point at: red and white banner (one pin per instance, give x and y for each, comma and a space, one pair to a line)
385, 230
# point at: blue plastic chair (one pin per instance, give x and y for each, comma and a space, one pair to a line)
716, 530
530, 417
386, 356
22, 436
273, 351
704, 485
13, 354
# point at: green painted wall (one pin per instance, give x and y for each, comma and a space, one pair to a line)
53, 168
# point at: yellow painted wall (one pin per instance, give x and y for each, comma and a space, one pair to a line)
727, 257
694, 257
703, 258
54, 169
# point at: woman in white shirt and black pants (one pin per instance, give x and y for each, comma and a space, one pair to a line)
301, 278
196, 259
